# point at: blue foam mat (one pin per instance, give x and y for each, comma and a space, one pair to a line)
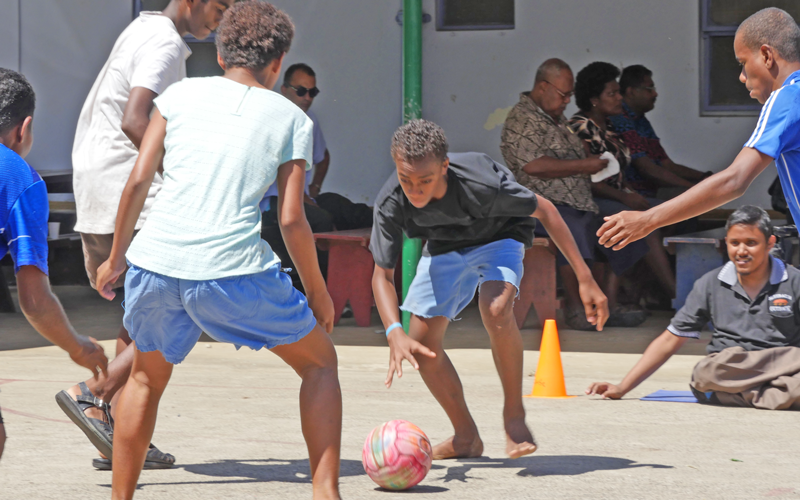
671, 396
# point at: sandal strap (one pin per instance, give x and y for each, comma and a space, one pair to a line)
87, 398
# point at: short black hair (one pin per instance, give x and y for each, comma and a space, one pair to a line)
773, 27
290, 71
633, 76
591, 81
17, 99
419, 139
252, 34
751, 216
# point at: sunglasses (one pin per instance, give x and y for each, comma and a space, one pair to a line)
301, 91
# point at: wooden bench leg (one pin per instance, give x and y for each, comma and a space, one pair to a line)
350, 270
538, 285
6, 304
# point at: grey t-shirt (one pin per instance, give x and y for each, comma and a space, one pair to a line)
772, 319
483, 203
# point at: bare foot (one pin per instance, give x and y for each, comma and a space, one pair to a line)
456, 447
519, 440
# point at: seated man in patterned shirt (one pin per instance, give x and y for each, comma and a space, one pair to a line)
547, 158
650, 167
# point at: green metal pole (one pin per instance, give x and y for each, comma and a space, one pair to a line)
412, 109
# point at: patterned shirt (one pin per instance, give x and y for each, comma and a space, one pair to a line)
600, 141
530, 133
642, 140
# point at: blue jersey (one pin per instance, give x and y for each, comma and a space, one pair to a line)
23, 212
777, 134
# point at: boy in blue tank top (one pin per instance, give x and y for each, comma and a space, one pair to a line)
199, 263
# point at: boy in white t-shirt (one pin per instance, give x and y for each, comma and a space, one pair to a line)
199, 263
149, 56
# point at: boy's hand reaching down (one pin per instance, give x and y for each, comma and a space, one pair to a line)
402, 347
608, 391
89, 354
594, 302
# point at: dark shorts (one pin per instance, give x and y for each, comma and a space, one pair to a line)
584, 225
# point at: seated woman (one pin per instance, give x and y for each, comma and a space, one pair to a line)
598, 97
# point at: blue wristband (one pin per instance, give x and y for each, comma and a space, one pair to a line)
392, 327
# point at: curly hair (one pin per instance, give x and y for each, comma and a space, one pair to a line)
591, 81
17, 99
252, 34
419, 139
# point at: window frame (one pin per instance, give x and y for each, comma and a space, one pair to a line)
441, 7
707, 32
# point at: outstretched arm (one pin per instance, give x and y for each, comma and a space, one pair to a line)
626, 227
401, 347
300, 240
44, 312
656, 354
132, 201
594, 301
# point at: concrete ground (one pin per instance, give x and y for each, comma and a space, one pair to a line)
231, 419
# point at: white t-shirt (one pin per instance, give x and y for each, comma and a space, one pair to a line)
224, 144
150, 53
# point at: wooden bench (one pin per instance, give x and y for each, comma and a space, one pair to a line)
350, 268
695, 255
538, 285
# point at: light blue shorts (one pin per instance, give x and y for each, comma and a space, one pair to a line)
445, 284
255, 310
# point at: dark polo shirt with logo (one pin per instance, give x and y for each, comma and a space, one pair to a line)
772, 319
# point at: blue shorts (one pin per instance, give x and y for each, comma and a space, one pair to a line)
445, 284
255, 310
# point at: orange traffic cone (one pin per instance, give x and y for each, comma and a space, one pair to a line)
549, 381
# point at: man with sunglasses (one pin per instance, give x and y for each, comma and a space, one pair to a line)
547, 158
650, 167
327, 211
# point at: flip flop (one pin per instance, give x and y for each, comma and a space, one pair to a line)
155, 459
99, 432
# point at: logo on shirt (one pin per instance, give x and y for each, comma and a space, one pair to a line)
780, 305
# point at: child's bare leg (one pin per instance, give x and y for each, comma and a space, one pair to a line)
108, 388
2, 439
442, 380
314, 358
136, 419
497, 311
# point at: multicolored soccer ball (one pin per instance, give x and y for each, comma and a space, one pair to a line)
397, 455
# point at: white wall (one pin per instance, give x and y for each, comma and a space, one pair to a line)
355, 47
64, 45
468, 76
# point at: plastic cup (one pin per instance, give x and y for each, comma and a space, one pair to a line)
53, 229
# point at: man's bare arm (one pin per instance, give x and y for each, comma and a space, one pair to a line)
136, 116
44, 312
649, 169
546, 167
656, 354
626, 227
685, 172
320, 171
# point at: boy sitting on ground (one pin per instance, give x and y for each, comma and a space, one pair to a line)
199, 263
23, 228
478, 222
752, 301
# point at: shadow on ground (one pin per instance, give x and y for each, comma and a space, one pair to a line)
543, 465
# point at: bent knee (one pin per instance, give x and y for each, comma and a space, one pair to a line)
498, 308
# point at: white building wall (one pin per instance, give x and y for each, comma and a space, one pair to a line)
355, 47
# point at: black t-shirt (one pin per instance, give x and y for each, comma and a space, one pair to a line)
483, 203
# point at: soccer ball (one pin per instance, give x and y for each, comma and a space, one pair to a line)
397, 455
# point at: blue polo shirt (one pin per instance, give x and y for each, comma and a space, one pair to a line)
777, 134
24, 211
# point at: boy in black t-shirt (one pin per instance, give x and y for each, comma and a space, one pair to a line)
478, 222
